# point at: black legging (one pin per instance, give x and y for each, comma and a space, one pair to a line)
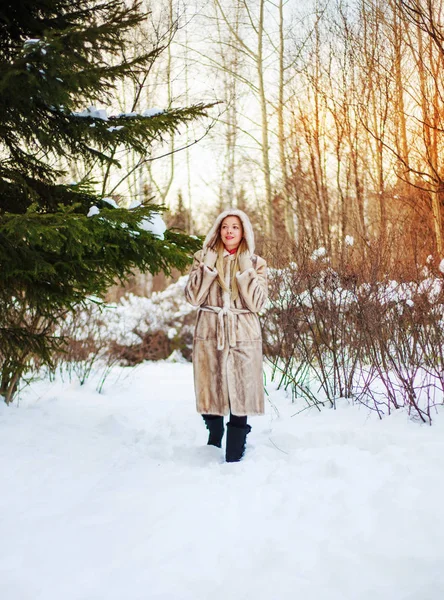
234, 420
238, 421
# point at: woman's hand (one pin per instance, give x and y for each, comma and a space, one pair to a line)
210, 258
244, 261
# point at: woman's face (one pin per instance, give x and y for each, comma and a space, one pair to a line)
231, 232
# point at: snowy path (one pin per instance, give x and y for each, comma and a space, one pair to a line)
115, 496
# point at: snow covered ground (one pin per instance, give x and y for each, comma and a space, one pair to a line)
115, 496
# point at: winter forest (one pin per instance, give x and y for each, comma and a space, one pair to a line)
126, 127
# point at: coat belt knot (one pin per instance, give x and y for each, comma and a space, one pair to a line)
231, 323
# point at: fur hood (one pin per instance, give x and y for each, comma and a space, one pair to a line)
211, 238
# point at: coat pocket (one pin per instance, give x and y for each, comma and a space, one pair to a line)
205, 326
248, 328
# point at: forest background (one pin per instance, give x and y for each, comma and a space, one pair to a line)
327, 130
329, 124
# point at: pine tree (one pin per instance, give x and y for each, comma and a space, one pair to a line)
59, 241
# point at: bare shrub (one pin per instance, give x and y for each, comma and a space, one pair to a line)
335, 332
310, 338
128, 332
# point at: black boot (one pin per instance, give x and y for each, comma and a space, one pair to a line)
215, 425
236, 439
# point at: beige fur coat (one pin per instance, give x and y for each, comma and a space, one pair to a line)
227, 348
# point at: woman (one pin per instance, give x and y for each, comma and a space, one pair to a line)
228, 283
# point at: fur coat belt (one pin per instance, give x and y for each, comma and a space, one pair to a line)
231, 313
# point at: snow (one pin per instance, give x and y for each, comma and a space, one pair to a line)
94, 210
149, 112
154, 224
349, 240
441, 266
126, 322
111, 201
116, 495
319, 253
152, 112
31, 41
93, 113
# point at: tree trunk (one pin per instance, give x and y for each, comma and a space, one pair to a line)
264, 122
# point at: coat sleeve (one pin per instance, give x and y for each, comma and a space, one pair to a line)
199, 281
253, 286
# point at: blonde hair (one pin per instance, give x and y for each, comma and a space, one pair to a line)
220, 248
